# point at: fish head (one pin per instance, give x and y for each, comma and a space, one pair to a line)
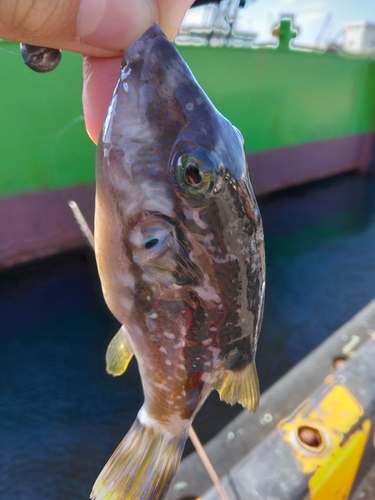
172, 189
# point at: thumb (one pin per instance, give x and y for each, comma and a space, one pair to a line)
50, 23
101, 28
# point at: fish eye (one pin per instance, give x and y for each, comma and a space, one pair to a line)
195, 173
150, 242
192, 175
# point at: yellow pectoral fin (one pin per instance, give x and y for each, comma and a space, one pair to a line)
119, 354
240, 386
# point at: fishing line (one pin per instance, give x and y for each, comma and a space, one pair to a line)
10, 51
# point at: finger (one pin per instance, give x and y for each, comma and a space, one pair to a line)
100, 76
171, 14
48, 23
101, 28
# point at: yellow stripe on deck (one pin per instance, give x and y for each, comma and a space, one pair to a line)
328, 439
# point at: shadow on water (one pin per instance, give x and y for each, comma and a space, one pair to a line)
61, 415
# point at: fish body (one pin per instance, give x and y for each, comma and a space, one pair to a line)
179, 246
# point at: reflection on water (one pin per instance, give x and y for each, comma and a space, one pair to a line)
61, 415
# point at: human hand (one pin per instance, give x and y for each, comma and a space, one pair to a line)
98, 29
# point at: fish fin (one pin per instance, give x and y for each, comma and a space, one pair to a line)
119, 354
143, 465
240, 386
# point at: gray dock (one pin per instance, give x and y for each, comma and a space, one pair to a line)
263, 457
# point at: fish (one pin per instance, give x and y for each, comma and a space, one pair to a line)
180, 252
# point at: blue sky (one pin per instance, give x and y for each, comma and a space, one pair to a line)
309, 16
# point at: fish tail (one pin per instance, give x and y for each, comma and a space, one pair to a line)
143, 465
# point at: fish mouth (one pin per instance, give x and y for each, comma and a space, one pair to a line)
156, 248
139, 49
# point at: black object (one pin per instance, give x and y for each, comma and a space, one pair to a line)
40, 59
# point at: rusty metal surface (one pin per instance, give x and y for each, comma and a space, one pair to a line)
243, 434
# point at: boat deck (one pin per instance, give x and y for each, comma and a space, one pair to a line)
366, 490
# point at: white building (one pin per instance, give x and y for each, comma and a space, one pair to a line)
359, 38
218, 24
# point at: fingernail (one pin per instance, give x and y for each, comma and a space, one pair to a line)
111, 24
90, 16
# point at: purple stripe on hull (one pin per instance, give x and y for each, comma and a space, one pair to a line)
277, 169
40, 224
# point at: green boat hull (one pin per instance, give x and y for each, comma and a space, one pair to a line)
303, 115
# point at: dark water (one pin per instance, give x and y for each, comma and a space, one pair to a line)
61, 415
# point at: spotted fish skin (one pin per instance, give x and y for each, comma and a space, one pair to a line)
179, 246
